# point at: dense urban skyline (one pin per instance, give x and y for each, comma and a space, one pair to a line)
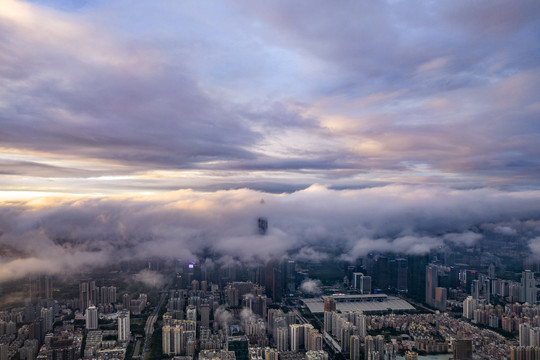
133, 129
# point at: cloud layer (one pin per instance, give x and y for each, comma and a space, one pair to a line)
73, 233
111, 96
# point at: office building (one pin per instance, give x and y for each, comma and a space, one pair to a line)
401, 268
431, 284
381, 274
238, 344
475, 289
416, 276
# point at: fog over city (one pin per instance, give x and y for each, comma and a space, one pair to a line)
310, 224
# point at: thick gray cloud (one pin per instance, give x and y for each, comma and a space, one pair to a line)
382, 92
311, 224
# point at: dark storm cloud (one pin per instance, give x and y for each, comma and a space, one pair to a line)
307, 225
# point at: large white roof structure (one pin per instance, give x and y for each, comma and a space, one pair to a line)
366, 303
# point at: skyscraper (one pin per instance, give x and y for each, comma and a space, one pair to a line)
534, 337
239, 344
48, 318
524, 334
382, 273
91, 318
282, 339
528, 287
262, 225
355, 347
401, 274
356, 279
362, 282
123, 326
290, 276
166, 339
41, 288
329, 304
475, 289
87, 294
470, 275
469, 305
296, 332
416, 276
431, 284
205, 315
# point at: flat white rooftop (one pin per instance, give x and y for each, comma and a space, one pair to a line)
366, 303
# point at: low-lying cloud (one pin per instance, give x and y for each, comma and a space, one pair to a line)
150, 278
308, 225
311, 287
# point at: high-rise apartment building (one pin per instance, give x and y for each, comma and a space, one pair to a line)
48, 319
92, 318
41, 288
524, 334
528, 287
329, 304
282, 339
355, 347
296, 332
123, 326
87, 294
534, 337
469, 305
166, 339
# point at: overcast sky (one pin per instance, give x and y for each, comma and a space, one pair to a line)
112, 101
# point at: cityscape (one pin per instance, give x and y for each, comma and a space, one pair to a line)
453, 303
280, 180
